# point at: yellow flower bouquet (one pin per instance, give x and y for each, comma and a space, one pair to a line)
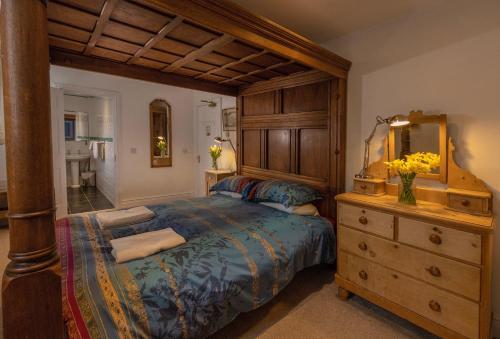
416, 163
162, 146
215, 152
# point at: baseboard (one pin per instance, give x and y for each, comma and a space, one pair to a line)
154, 199
496, 325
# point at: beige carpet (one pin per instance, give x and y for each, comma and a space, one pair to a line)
307, 308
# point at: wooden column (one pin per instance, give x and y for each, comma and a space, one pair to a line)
31, 286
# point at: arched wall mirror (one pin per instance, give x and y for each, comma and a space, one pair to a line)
425, 133
160, 118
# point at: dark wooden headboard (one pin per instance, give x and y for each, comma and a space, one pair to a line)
293, 128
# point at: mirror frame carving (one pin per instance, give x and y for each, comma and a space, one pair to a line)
418, 117
155, 106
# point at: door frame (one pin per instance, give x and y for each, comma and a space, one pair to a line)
115, 98
200, 191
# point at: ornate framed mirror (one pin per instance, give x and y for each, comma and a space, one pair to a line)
425, 133
160, 119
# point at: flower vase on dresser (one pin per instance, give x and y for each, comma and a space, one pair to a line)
408, 168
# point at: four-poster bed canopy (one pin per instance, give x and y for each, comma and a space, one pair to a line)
208, 45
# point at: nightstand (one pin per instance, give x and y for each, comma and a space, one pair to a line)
214, 176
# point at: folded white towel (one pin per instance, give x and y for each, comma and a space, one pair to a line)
124, 217
144, 244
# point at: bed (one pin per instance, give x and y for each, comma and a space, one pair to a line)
291, 125
238, 256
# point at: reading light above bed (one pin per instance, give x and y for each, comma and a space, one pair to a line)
220, 141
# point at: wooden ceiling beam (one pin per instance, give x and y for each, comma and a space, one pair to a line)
232, 63
107, 10
268, 68
88, 63
154, 40
230, 18
203, 50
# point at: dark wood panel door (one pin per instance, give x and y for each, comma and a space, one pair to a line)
251, 148
278, 150
259, 104
313, 155
307, 98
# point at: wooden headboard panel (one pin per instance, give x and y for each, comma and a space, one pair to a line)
293, 129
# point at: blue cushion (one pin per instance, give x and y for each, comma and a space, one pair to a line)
283, 192
235, 183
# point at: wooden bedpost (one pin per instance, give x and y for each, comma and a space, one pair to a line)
31, 286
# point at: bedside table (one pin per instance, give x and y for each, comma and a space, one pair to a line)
214, 176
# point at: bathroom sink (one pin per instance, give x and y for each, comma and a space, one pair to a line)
73, 157
74, 160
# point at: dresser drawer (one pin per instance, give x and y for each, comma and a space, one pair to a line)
447, 241
468, 204
449, 274
367, 220
447, 309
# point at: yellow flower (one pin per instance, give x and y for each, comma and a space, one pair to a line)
215, 151
416, 163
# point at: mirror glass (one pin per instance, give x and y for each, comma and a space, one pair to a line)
160, 131
416, 138
76, 126
425, 133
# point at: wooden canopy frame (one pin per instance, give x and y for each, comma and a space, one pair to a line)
209, 45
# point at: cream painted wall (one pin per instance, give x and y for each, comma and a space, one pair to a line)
138, 183
447, 60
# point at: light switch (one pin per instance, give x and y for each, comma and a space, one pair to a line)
133, 150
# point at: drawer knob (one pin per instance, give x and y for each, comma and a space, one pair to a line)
465, 203
363, 220
434, 305
434, 271
362, 246
363, 275
362, 186
435, 239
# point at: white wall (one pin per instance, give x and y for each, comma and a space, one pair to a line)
138, 183
447, 60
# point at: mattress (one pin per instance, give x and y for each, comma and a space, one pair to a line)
237, 257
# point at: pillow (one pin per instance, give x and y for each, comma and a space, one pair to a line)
283, 192
306, 209
235, 183
231, 194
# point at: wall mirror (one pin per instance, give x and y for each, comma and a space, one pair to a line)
160, 118
76, 126
425, 133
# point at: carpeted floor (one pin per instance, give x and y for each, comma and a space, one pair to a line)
307, 308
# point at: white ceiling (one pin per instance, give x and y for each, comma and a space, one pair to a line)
324, 20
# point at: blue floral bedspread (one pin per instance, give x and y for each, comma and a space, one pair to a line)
238, 256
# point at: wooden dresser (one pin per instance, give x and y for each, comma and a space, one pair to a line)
426, 263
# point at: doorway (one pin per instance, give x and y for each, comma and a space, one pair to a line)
84, 149
208, 125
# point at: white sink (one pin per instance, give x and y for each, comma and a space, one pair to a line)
74, 160
77, 157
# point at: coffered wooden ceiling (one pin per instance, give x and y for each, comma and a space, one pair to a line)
197, 44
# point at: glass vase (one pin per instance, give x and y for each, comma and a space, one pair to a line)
214, 164
406, 195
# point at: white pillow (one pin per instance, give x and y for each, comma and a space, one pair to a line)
306, 209
230, 194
